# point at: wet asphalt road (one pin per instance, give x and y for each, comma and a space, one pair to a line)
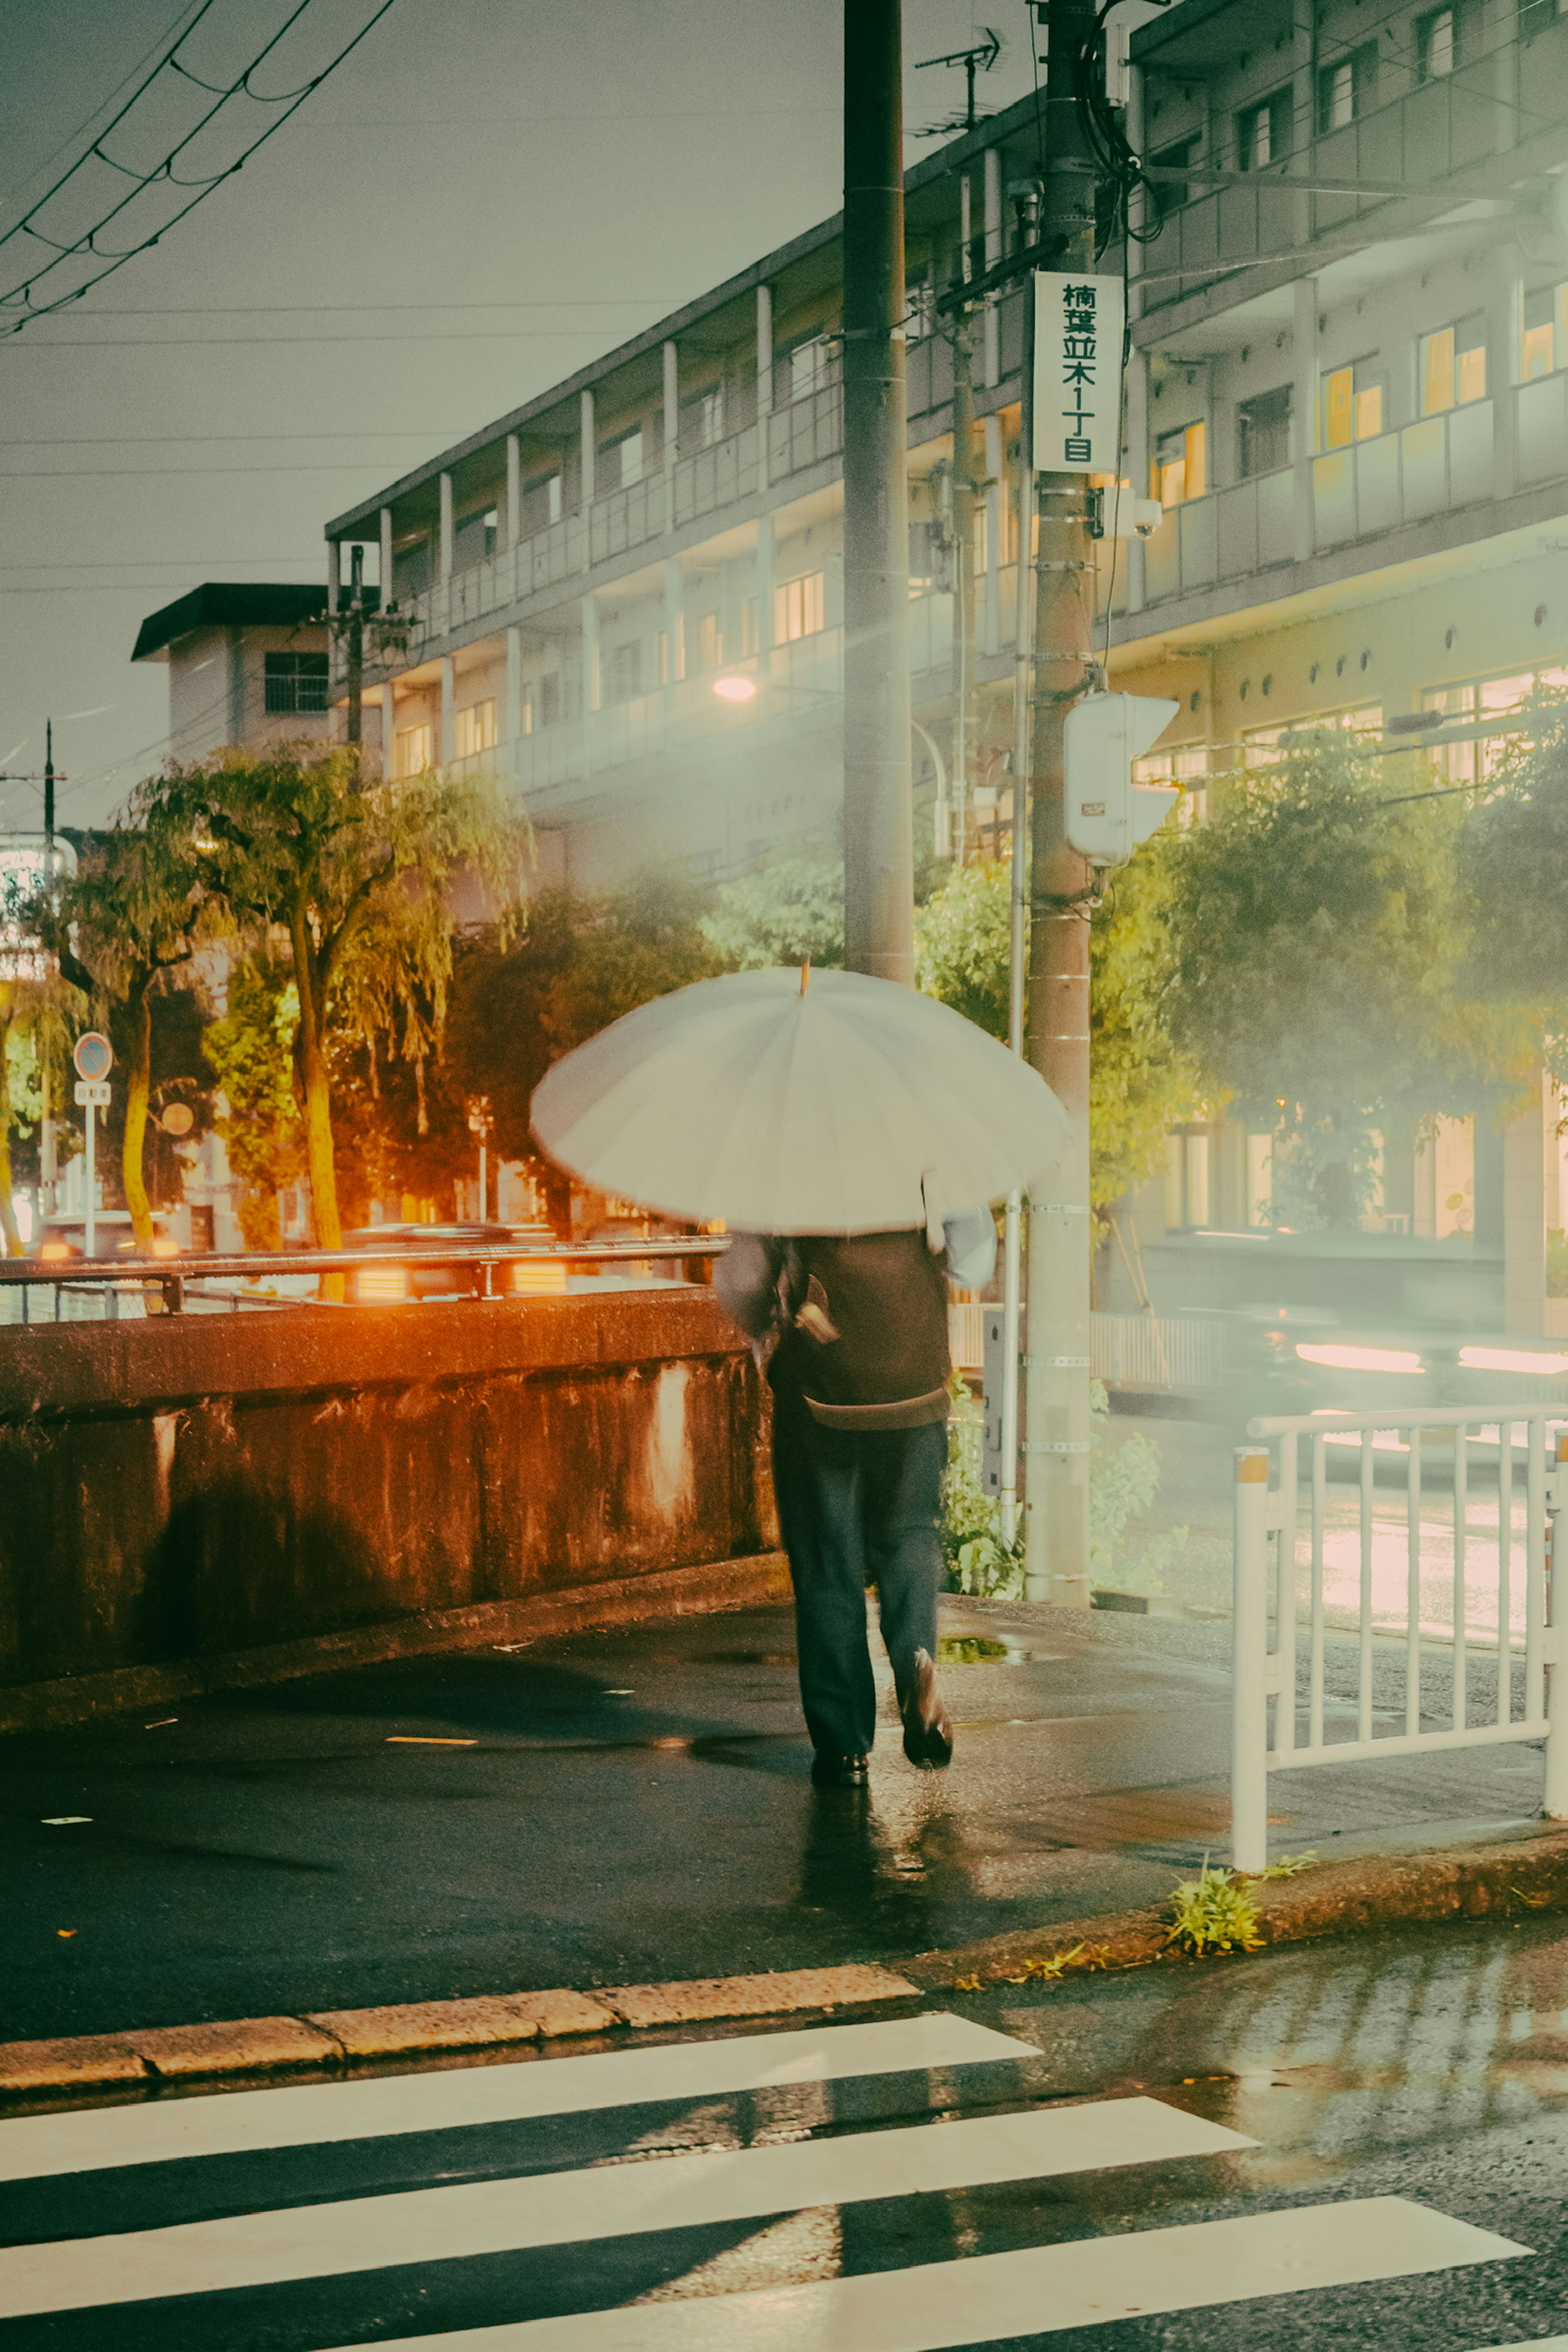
628, 1807
1429, 2068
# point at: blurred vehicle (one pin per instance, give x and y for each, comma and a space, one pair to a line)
390, 1283
60, 1240
1294, 1361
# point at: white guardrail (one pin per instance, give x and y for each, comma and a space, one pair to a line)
1451, 1553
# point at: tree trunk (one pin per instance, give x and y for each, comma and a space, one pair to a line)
8, 1211
138, 1082
317, 1087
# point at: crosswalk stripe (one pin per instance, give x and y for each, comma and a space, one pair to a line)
486, 2217
939, 2306
231, 2122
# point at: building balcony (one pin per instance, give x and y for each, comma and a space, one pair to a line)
794, 440
1467, 459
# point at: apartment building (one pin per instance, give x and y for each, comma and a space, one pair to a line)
246, 662
1348, 390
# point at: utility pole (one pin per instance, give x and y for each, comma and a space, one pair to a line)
878, 827
356, 637
48, 1160
964, 493
1056, 1416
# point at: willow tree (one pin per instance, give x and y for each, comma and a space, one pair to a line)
354, 883
135, 910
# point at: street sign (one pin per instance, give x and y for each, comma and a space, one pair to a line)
93, 1094
93, 1055
178, 1118
1077, 416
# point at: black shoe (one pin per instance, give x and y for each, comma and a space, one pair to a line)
928, 1735
839, 1772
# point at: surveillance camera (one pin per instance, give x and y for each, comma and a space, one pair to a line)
1148, 514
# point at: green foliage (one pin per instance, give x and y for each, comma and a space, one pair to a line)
1123, 1481
1214, 1913
638, 944
1315, 938
1512, 860
962, 951
789, 912
1557, 1262
251, 1050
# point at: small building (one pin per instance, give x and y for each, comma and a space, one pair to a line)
247, 664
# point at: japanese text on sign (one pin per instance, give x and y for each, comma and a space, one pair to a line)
1078, 327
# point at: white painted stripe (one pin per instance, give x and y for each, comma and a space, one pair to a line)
556, 2209
226, 2122
945, 2305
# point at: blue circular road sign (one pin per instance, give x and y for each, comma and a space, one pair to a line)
94, 1056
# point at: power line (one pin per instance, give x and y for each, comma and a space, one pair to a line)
247, 310
325, 342
83, 247
154, 473
180, 440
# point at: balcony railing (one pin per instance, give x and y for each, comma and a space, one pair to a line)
1438, 466
807, 434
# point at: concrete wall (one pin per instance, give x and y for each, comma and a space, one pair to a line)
273, 1491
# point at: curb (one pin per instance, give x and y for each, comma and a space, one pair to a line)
1507, 1879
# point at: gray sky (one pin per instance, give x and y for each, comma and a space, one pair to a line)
488, 192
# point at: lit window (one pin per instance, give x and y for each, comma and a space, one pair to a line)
1263, 133
295, 682
709, 640
416, 749
1180, 466
751, 626
1544, 346
1434, 45
1353, 406
808, 367
1454, 366
474, 729
623, 459
800, 607
1263, 746
661, 657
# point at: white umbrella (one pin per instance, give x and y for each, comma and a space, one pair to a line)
847, 1106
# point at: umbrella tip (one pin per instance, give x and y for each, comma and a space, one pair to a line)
806, 975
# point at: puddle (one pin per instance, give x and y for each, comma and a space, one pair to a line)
982, 1650
749, 1658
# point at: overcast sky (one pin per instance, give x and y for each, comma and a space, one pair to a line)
484, 196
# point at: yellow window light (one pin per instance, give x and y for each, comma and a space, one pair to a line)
382, 1286
535, 1278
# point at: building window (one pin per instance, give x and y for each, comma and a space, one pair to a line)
1345, 88
809, 367
1179, 470
1352, 404
1544, 346
709, 641
1453, 365
710, 416
1174, 158
1263, 131
542, 702
416, 749
1435, 45
621, 462
1263, 432
540, 502
751, 626
661, 658
623, 672
476, 538
800, 607
1262, 746
474, 729
295, 682
1534, 16
1491, 699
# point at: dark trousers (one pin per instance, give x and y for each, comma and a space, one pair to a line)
857, 1507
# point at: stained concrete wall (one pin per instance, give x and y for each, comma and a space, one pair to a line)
187, 1489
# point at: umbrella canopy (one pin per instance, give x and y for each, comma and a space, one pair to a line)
847, 1106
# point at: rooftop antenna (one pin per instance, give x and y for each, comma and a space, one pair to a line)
978, 59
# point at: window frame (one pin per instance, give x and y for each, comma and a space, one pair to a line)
1425, 29
1275, 110
293, 670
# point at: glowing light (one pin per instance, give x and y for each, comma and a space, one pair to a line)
53, 1252
1509, 1360
535, 1280
1359, 1359
380, 1286
735, 689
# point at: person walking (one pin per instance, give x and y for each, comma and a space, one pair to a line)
857, 1334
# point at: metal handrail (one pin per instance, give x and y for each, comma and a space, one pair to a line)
172, 1275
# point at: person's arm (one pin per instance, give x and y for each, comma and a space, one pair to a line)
971, 1248
746, 1279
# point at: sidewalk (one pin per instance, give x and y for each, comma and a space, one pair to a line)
633, 1806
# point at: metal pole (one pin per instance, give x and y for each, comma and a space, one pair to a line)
963, 564
1555, 1798
90, 1236
356, 645
484, 1178
49, 1163
1057, 1415
1250, 1665
878, 830
1018, 943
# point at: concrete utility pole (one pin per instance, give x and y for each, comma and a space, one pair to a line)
1056, 1417
963, 501
355, 635
878, 829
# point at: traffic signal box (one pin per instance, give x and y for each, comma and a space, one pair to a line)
1107, 814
